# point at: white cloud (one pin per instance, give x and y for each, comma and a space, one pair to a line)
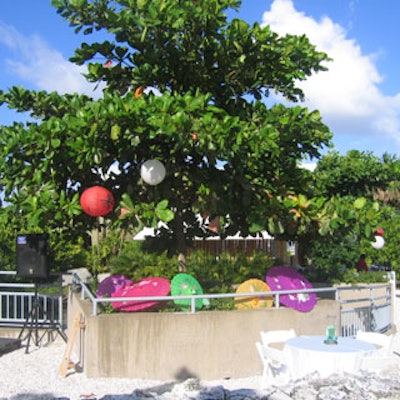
309, 165
30, 59
347, 95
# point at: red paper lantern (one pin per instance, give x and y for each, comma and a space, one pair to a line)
97, 201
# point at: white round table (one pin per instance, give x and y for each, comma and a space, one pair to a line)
308, 354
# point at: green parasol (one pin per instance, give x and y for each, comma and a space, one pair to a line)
185, 285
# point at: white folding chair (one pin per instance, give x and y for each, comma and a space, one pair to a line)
384, 358
382, 341
277, 336
276, 371
379, 363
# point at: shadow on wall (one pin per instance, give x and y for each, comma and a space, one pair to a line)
184, 374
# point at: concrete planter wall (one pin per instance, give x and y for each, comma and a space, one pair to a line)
166, 346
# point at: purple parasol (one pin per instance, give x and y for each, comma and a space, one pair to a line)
143, 288
286, 278
112, 284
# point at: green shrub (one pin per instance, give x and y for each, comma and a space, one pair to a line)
67, 254
351, 276
227, 270
135, 262
216, 274
222, 274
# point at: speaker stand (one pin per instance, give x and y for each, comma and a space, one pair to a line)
32, 324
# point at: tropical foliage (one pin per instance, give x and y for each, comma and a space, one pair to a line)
361, 189
183, 84
186, 85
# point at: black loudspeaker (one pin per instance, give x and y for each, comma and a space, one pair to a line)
32, 256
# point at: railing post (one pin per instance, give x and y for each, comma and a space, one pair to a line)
61, 310
371, 309
192, 305
393, 315
277, 300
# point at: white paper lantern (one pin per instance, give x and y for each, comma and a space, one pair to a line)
379, 242
152, 172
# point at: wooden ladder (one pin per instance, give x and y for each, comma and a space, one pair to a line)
66, 362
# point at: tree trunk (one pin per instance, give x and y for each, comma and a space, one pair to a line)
181, 241
97, 234
182, 262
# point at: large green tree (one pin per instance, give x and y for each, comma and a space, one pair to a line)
361, 194
226, 151
356, 173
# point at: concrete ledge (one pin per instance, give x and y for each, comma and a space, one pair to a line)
170, 346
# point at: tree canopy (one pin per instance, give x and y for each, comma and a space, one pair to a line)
182, 84
356, 173
362, 194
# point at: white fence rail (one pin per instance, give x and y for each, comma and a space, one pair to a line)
376, 311
375, 316
21, 302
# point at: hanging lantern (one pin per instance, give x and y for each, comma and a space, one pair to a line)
152, 172
379, 242
97, 201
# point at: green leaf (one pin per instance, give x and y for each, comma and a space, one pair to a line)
127, 203
165, 215
115, 132
324, 228
162, 205
140, 4
77, 3
57, 3
360, 203
255, 227
163, 212
55, 143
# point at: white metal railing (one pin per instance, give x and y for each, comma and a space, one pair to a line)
86, 292
19, 301
377, 313
351, 317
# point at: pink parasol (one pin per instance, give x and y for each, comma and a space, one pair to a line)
112, 284
143, 288
286, 278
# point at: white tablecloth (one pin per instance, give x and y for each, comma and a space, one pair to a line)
308, 354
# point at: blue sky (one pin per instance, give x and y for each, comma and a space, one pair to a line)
359, 98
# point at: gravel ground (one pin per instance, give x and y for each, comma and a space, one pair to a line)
35, 375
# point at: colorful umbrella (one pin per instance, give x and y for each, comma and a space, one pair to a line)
185, 285
112, 284
286, 278
143, 288
251, 286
